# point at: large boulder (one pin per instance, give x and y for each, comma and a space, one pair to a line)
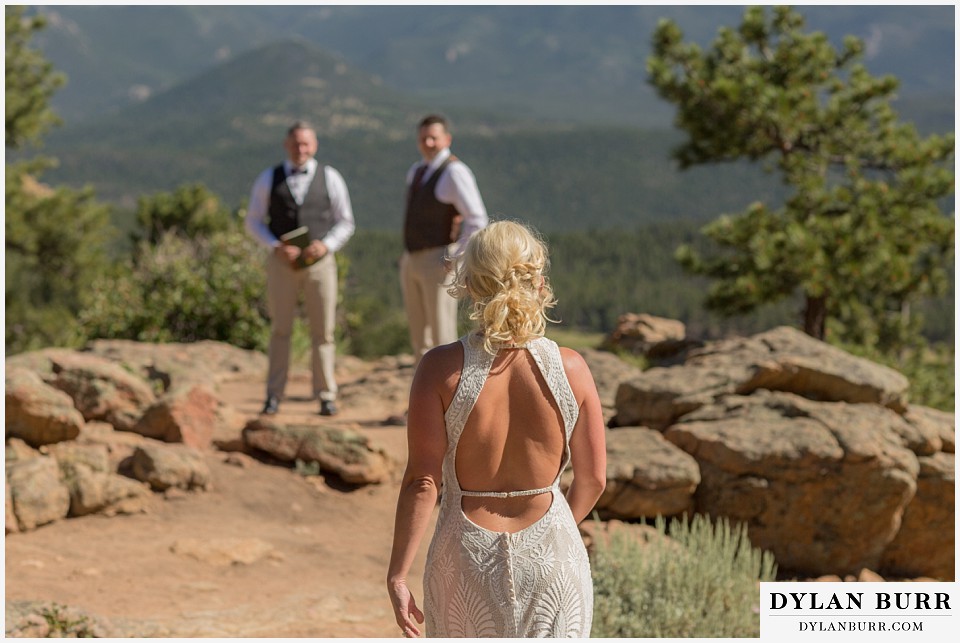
924, 546
187, 414
647, 476
94, 487
165, 466
39, 361
176, 363
102, 390
643, 334
608, 371
106, 493
936, 427
36, 412
340, 450
37, 493
823, 485
782, 359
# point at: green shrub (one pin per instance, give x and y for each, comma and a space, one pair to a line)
702, 582
67, 622
371, 328
191, 211
184, 290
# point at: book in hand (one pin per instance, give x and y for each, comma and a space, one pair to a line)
300, 238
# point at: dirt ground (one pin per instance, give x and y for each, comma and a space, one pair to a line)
323, 573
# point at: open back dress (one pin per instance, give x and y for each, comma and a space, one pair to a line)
531, 583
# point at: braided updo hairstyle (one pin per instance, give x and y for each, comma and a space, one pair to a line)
503, 271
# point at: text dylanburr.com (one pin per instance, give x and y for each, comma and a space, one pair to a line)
917, 611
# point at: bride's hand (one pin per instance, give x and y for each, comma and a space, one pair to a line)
405, 608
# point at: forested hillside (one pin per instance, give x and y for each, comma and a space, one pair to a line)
597, 275
558, 179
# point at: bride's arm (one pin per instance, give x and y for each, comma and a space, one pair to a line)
426, 445
588, 451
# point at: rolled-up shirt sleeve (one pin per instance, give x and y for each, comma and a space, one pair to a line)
256, 219
341, 209
458, 187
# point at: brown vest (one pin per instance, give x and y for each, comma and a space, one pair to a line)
428, 223
315, 212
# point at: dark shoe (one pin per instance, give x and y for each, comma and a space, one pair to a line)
327, 407
271, 406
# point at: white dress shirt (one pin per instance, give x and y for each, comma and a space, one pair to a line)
299, 184
457, 187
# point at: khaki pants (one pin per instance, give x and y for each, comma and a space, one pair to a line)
431, 311
319, 286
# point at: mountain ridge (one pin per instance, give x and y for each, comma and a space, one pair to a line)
554, 61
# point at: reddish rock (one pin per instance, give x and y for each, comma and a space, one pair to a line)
187, 414
36, 412
924, 545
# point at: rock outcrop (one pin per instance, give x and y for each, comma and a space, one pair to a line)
205, 361
648, 335
821, 485
924, 545
608, 372
96, 418
816, 450
646, 476
335, 449
782, 359
102, 390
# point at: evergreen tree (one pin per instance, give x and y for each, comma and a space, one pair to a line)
861, 235
30, 80
190, 211
54, 238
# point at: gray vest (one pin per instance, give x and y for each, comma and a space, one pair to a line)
315, 212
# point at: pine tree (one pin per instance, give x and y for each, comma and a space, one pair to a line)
54, 238
30, 81
861, 235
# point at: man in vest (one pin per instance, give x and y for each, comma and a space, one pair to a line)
301, 193
443, 209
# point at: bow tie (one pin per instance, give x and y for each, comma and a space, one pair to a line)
298, 170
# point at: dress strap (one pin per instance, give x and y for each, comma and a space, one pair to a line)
506, 494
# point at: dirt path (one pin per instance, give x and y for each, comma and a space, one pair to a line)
326, 550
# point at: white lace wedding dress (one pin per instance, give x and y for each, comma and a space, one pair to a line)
532, 583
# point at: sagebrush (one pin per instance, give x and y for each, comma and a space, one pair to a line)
702, 581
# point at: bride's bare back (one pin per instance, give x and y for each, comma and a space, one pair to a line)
513, 440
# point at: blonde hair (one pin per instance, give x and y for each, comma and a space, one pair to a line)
503, 270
